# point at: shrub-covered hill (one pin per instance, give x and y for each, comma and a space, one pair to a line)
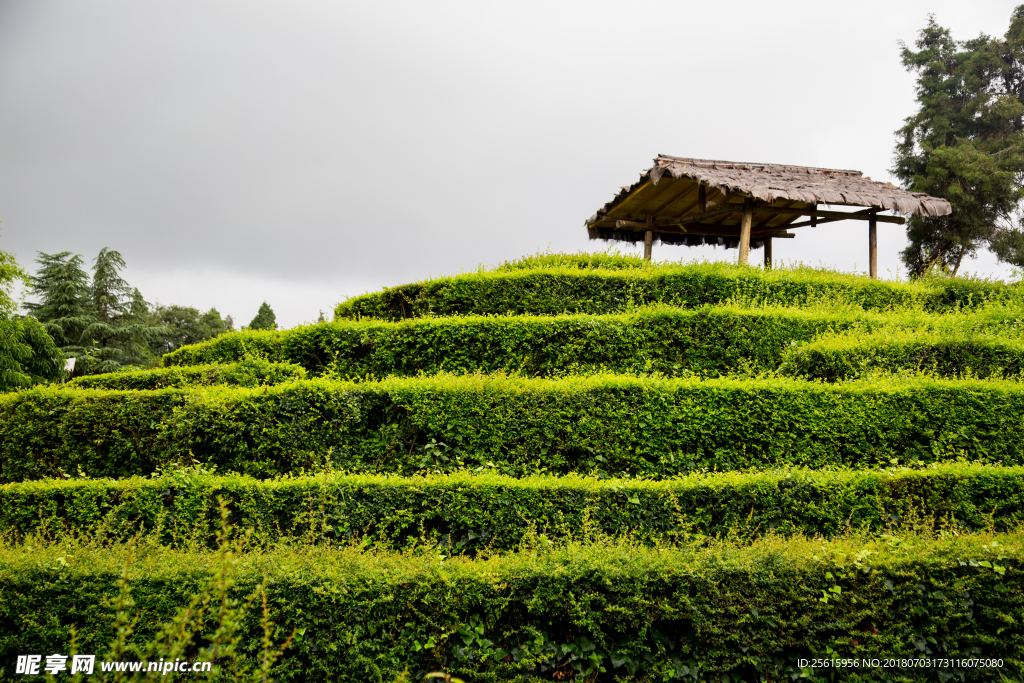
830, 342
570, 468
569, 285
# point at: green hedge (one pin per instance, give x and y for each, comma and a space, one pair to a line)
247, 372
469, 512
748, 613
838, 357
581, 260
597, 291
603, 423
707, 341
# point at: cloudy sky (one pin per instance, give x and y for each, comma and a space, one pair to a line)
301, 152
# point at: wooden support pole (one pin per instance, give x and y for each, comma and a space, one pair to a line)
873, 246
649, 238
768, 253
702, 198
748, 216
814, 217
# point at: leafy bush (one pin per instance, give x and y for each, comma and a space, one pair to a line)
838, 356
551, 613
249, 372
707, 341
468, 512
582, 260
230, 347
27, 354
604, 423
575, 290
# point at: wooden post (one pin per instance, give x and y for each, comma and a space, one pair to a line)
814, 219
702, 198
873, 246
748, 216
649, 238
768, 253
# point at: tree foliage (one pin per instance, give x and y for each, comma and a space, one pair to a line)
265, 318
185, 325
965, 143
27, 353
62, 286
100, 322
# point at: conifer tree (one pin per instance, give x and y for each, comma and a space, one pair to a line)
265, 319
62, 287
101, 323
966, 144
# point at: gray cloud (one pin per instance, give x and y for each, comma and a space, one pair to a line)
241, 151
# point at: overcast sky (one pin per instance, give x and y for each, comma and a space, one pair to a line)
301, 152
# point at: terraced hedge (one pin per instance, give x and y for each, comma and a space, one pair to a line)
556, 290
468, 512
839, 357
607, 423
660, 614
707, 341
247, 372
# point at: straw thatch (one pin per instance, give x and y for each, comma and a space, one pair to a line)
667, 192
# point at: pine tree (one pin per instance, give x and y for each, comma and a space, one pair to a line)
103, 323
62, 286
265, 319
966, 144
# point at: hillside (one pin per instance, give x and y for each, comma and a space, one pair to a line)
570, 467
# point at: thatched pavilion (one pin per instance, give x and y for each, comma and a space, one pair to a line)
744, 205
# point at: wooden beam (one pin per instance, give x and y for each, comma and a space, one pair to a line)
678, 222
748, 216
768, 253
835, 215
817, 217
873, 247
814, 218
814, 222
702, 198
649, 238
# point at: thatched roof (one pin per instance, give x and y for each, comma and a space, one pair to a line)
669, 193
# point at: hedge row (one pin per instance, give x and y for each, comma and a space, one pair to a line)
602, 423
582, 260
468, 512
246, 372
571, 290
839, 357
708, 341
722, 613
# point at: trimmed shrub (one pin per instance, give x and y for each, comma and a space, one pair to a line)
840, 357
749, 613
606, 423
709, 341
582, 260
230, 347
597, 291
467, 512
248, 372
